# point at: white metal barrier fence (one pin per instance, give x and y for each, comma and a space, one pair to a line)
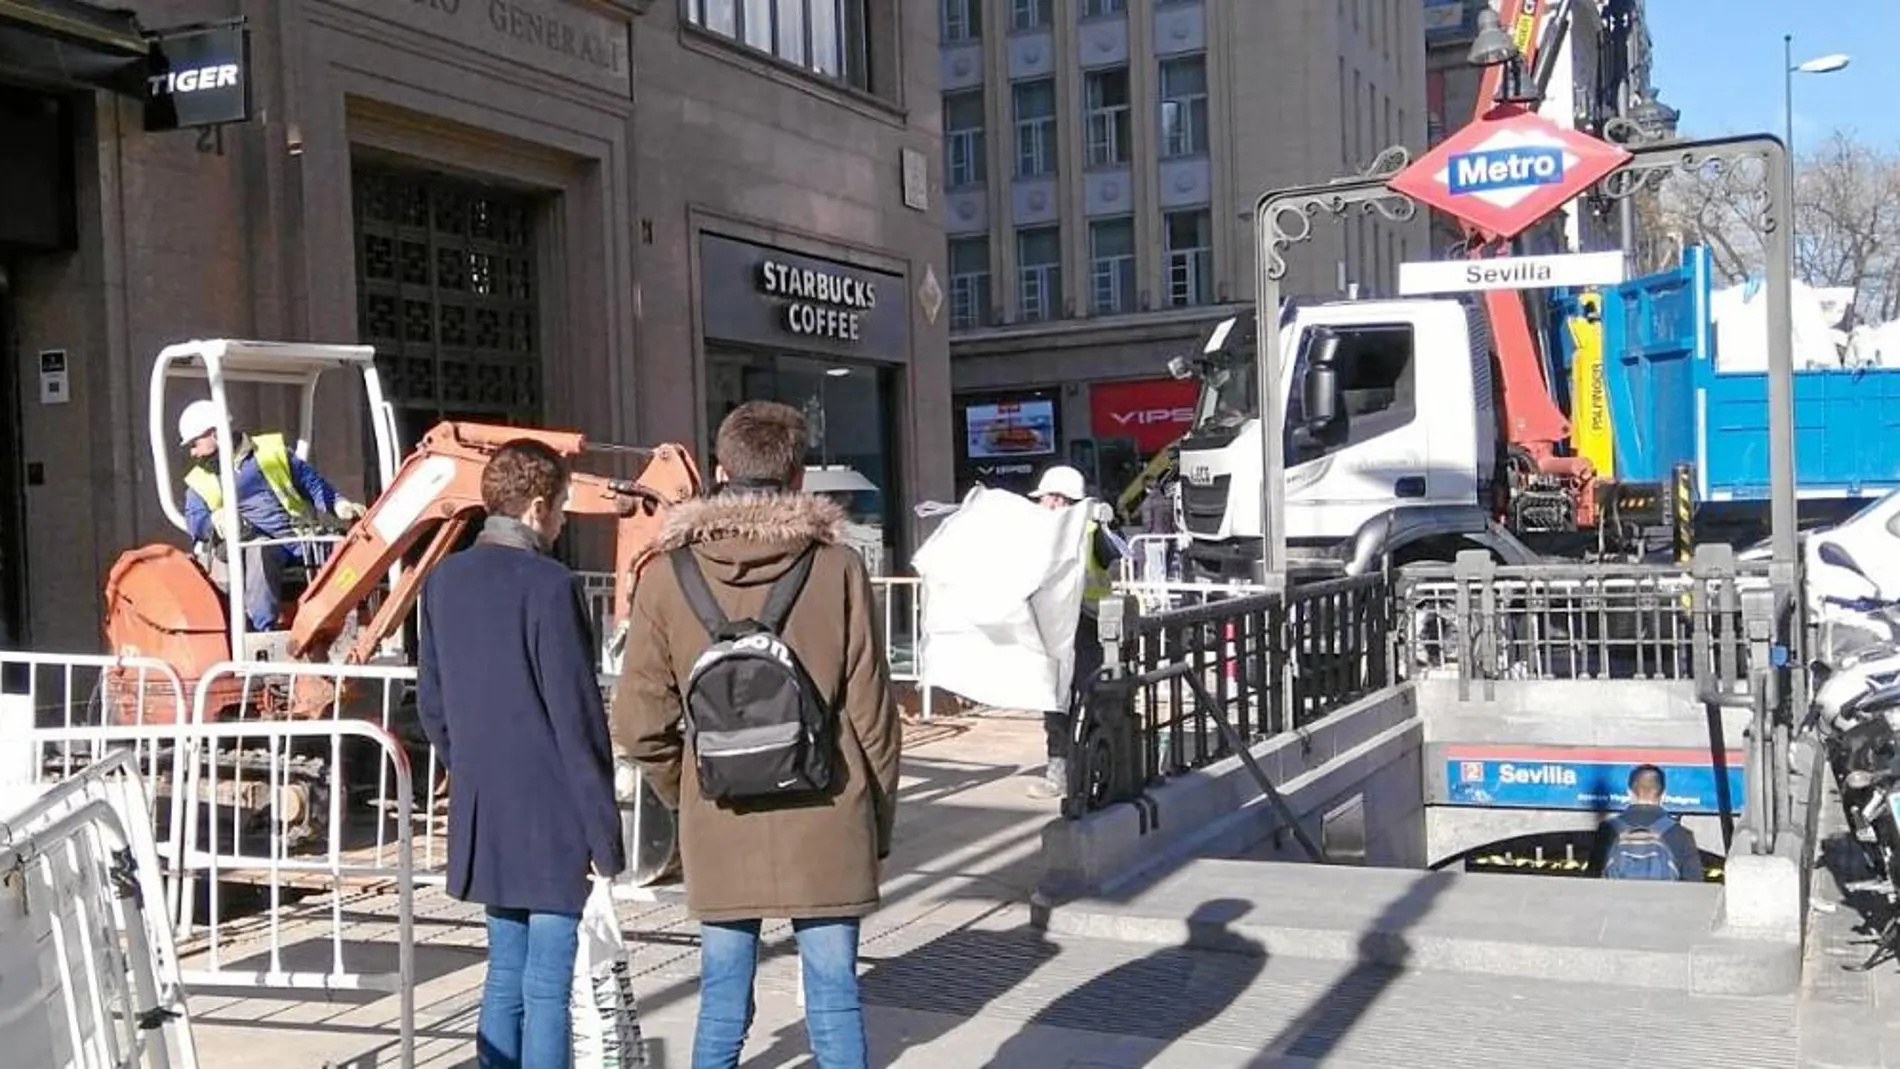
67, 691
90, 975
323, 792
258, 855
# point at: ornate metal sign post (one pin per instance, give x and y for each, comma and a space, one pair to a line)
1284, 218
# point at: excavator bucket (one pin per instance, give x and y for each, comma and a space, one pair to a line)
161, 605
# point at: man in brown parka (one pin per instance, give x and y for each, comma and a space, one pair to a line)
815, 863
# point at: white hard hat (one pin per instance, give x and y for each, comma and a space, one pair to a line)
1062, 480
198, 418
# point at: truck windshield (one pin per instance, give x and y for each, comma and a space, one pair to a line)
1227, 397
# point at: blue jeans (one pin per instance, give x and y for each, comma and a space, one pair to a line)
264, 585
524, 1022
828, 955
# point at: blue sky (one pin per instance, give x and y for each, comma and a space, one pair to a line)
1719, 63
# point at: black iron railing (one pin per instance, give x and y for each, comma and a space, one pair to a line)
1186, 687
1574, 621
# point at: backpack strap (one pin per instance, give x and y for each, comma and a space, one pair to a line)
699, 595
1656, 826
785, 591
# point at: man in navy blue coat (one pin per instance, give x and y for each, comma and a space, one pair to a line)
508, 694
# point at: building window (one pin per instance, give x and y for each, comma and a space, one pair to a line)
1377, 384
1105, 96
1112, 265
1183, 106
1095, 9
1035, 127
852, 437
969, 282
1028, 14
1190, 254
962, 20
828, 38
1039, 271
963, 155
447, 293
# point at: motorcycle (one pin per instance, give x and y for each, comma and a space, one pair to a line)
1861, 738
1856, 712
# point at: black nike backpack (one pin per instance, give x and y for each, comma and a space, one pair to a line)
756, 724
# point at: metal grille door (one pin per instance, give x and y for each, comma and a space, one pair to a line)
447, 294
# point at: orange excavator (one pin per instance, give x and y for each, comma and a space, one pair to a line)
162, 603
166, 605
185, 610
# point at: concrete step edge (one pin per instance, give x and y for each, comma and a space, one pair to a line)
1715, 966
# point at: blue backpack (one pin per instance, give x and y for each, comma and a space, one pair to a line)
1639, 852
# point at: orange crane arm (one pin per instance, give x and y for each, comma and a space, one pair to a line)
1532, 418
435, 495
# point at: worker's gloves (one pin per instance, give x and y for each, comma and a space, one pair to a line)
346, 509
221, 526
1102, 512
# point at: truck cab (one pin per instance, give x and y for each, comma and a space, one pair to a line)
1391, 436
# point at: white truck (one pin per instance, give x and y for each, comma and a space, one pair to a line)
1392, 439
1410, 433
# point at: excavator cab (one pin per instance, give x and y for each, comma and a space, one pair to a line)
162, 602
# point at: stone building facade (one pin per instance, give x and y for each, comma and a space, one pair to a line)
561, 213
1103, 158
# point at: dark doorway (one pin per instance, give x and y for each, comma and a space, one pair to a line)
12, 497
850, 411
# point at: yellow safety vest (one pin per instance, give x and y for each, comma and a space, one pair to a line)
1097, 583
273, 462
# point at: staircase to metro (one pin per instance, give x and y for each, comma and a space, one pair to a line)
1303, 754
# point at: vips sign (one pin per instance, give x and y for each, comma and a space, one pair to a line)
198, 77
1583, 777
1154, 412
824, 304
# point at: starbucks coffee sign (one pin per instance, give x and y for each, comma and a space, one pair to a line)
758, 295
819, 303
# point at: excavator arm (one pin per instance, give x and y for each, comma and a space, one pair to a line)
432, 500
1128, 505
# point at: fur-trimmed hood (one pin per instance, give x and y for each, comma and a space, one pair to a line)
745, 538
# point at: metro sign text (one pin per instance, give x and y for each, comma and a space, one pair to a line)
1504, 172
1480, 172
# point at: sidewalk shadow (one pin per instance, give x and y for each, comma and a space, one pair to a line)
1311, 1037
936, 778
1162, 996
954, 977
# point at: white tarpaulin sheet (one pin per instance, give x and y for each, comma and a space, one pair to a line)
1002, 590
1739, 315
1874, 345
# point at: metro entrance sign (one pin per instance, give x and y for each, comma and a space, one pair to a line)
1508, 170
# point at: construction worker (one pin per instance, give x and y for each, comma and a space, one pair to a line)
279, 496
1061, 487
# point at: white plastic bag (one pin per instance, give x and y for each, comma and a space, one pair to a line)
606, 1020
1002, 591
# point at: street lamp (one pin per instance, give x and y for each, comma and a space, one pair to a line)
1827, 64
1492, 47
